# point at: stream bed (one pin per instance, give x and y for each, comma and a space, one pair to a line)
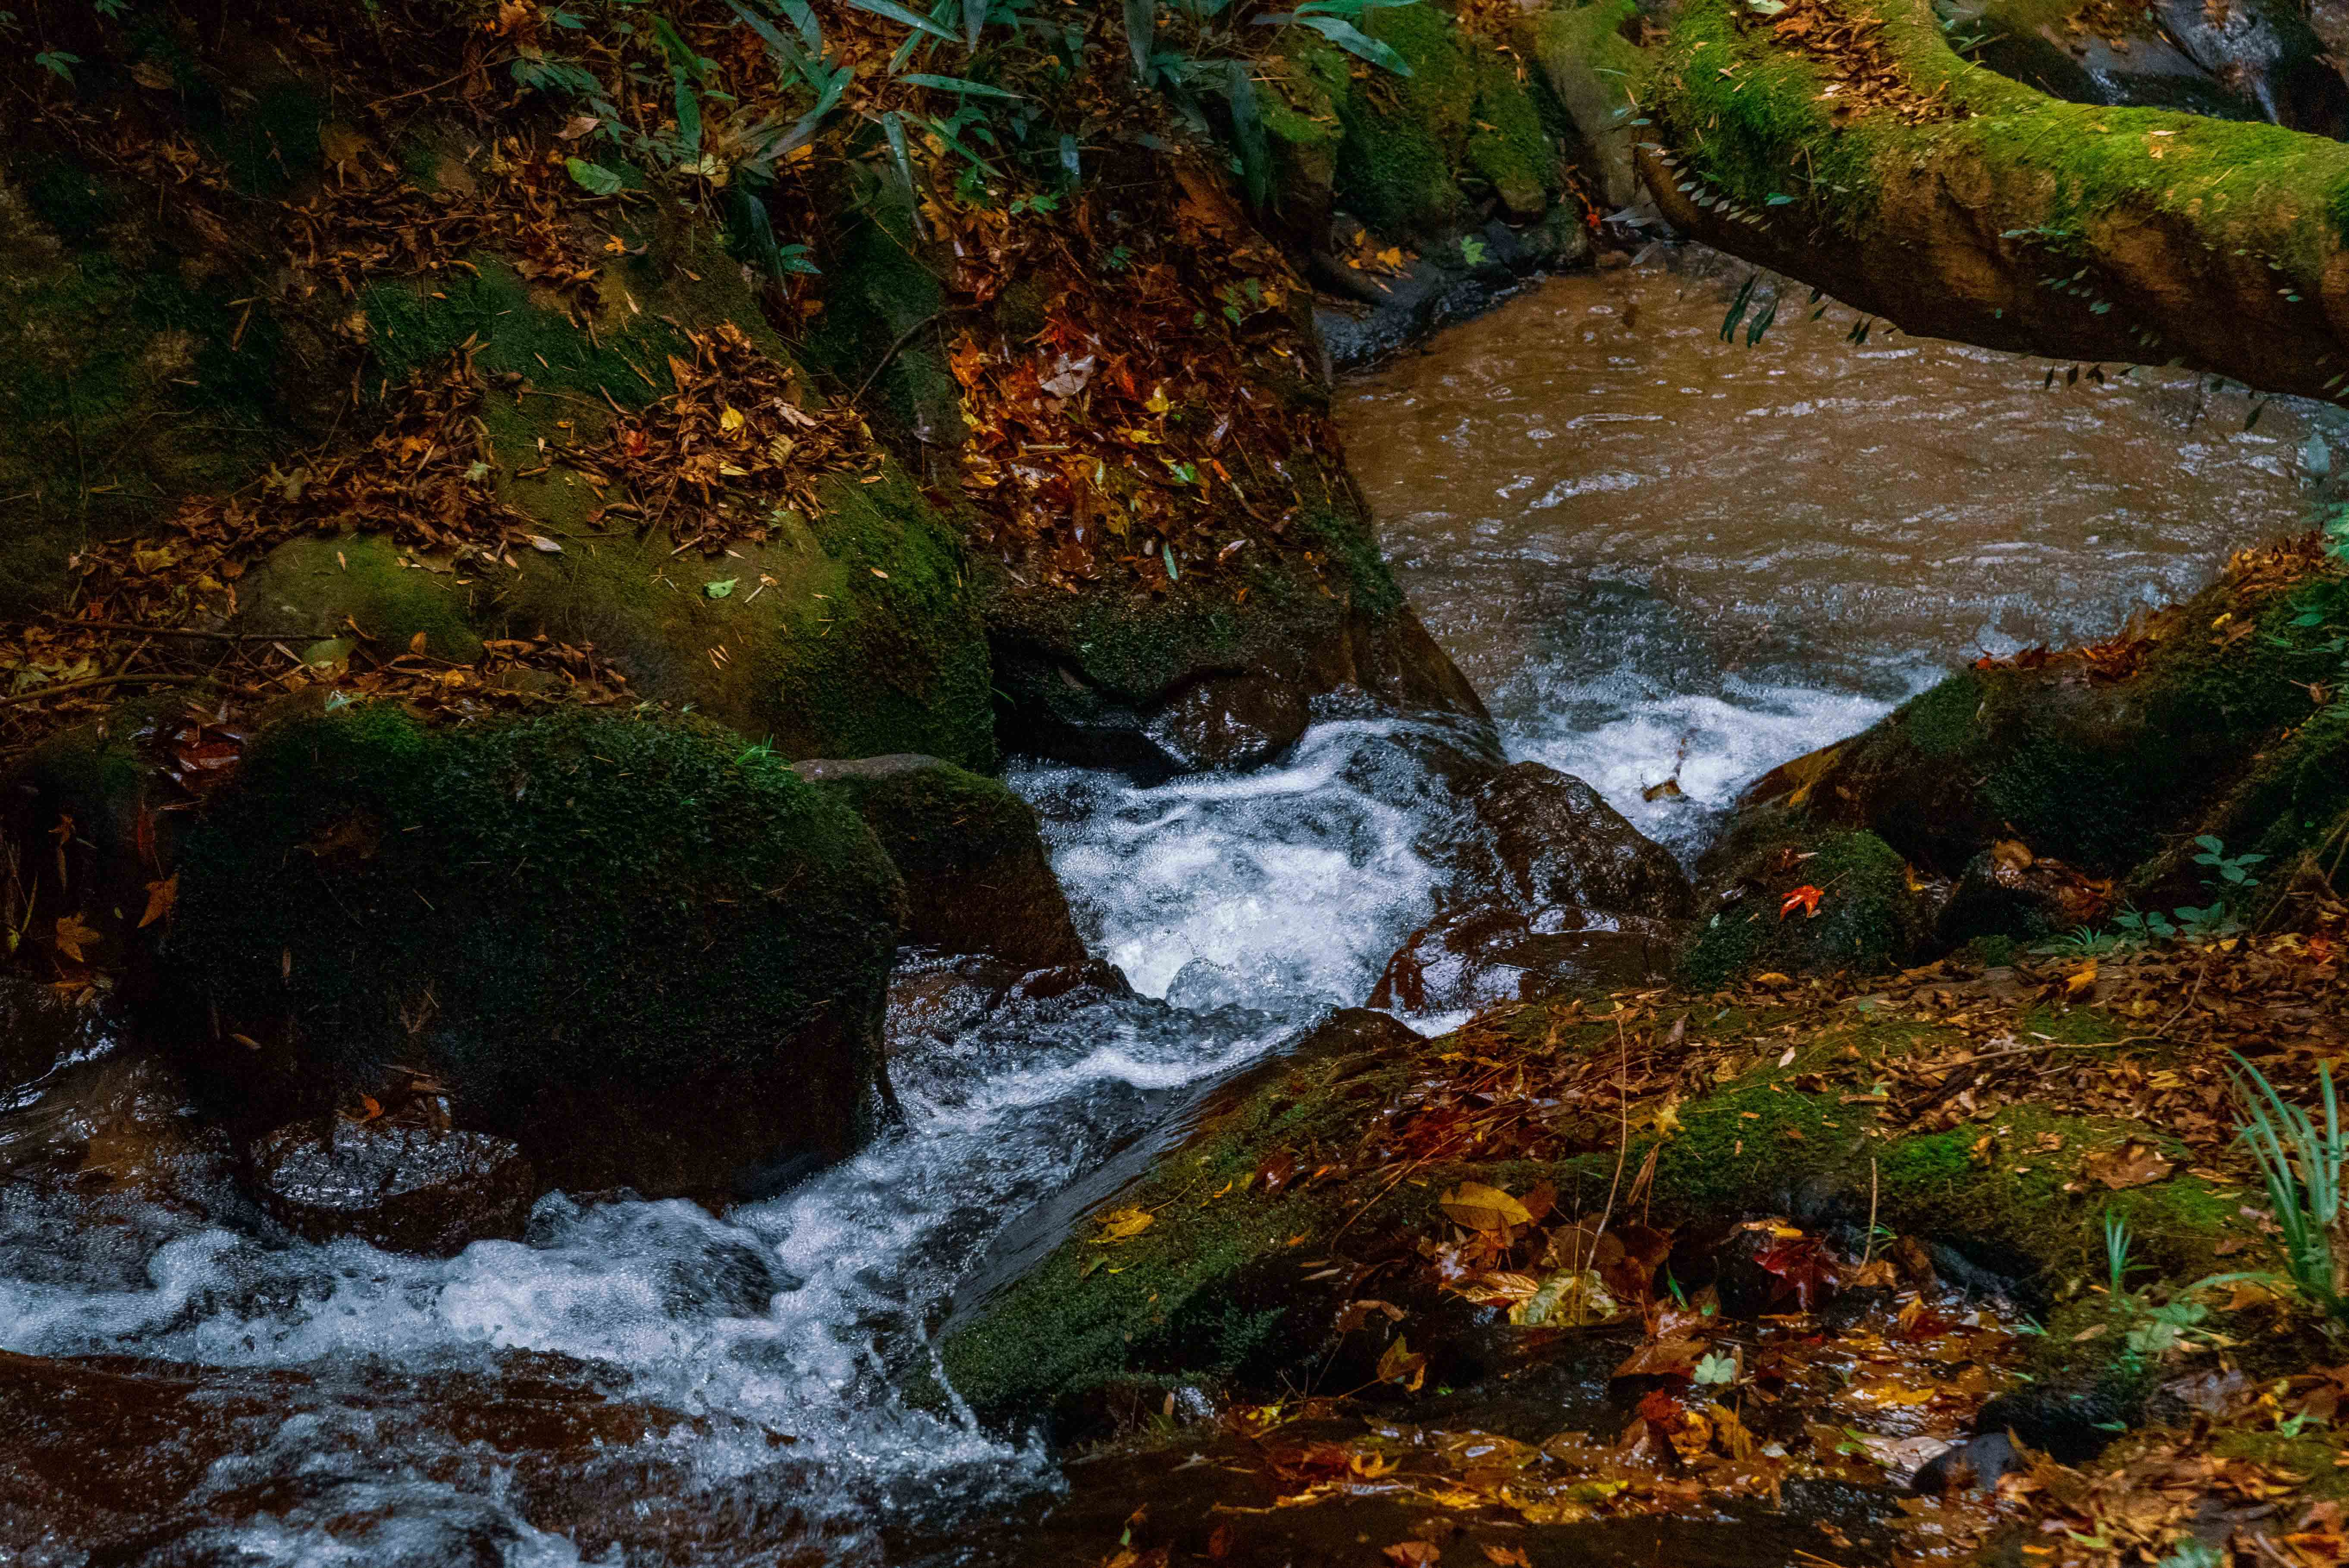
1660, 557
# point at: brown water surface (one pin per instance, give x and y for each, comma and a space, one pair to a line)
1651, 548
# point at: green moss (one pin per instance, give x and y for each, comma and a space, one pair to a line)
307, 588
1870, 917
132, 382
1508, 148
1747, 117
1403, 136
1202, 1292
416, 323
879, 288
585, 897
1942, 721
848, 634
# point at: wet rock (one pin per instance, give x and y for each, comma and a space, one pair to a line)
2251, 59
978, 878
407, 1189
1370, 316
646, 957
1231, 722
123, 1461
2049, 786
1978, 1462
1491, 954
1551, 890
2006, 891
1558, 842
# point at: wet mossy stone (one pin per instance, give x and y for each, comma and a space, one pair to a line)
650, 956
2109, 776
978, 878
1231, 1284
1871, 915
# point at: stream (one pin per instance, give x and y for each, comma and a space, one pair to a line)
1660, 557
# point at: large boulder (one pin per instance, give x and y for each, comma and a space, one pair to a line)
649, 956
978, 878
2024, 796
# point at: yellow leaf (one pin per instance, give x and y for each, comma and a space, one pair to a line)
1122, 1224
729, 420
1483, 1208
73, 936
2080, 979
161, 896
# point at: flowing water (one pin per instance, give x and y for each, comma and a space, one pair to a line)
1660, 555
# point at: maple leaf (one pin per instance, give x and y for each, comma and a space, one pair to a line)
1414, 1554
161, 896
1802, 1262
73, 936
1805, 898
1399, 1365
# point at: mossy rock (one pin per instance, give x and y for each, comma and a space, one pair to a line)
1229, 1284
1125, 677
2211, 731
1871, 915
852, 634
978, 878
652, 956
337, 588
1589, 69
1416, 157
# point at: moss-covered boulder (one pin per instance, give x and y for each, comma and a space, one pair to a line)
1463, 136
650, 956
2094, 770
978, 878
1300, 1192
1842, 900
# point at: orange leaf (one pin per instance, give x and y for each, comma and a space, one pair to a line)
160, 897
1804, 898
73, 936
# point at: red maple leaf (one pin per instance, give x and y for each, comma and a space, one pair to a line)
1805, 898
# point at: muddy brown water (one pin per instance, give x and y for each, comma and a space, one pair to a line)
1654, 549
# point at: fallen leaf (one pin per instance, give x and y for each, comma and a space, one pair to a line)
2080, 979
1121, 1224
2135, 1163
1804, 898
73, 936
161, 896
1399, 1365
1483, 1208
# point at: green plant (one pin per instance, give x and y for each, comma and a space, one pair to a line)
2116, 1252
2301, 1164
2233, 871
1215, 72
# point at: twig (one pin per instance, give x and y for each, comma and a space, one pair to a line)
889, 354
100, 681
70, 623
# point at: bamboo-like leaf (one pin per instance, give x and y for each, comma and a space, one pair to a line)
1141, 33
1343, 34
959, 85
896, 13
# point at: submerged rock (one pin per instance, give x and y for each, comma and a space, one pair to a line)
649, 957
978, 878
406, 1188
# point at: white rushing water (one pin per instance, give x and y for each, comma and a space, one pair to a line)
1239, 907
